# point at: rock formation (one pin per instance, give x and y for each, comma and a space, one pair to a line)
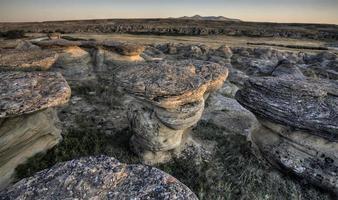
166, 99
300, 125
27, 59
99, 177
27, 120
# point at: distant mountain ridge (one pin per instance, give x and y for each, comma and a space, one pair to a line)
213, 18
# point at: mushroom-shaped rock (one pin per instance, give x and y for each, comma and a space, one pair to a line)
54, 36
299, 130
126, 49
99, 177
27, 60
28, 123
28, 92
167, 99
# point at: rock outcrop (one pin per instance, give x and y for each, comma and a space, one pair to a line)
28, 122
99, 177
300, 125
165, 100
75, 64
27, 59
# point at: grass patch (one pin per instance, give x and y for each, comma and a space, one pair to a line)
79, 143
234, 172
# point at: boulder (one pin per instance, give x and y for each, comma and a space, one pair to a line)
22, 137
309, 104
99, 177
27, 60
28, 122
299, 125
75, 64
167, 99
227, 114
312, 158
28, 92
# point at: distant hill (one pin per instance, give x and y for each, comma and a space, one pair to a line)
213, 18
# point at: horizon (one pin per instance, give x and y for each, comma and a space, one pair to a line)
273, 11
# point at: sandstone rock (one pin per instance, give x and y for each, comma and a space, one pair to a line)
26, 45
299, 132
22, 137
99, 178
308, 156
75, 64
228, 89
224, 51
125, 49
229, 115
169, 84
23, 93
27, 121
307, 104
167, 99
54, 36
288, 70
27, 60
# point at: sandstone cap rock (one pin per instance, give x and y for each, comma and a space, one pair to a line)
99, 177
27, 92
27, 59
170, 84
122, 48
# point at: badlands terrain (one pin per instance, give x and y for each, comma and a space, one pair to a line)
168, 109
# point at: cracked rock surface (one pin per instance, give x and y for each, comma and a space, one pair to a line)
167, 99
27, 92
27, 59
28, 121
299, 125
99, 177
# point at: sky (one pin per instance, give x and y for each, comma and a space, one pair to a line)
298, 11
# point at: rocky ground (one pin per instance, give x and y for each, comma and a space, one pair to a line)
218, 160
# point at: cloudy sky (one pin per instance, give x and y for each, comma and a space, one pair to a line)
315, 11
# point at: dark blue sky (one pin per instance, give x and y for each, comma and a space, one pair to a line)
319, 11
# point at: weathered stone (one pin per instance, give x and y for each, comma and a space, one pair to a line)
171, 84
168, 101
288, 70
27, 121
299, 132
149, 131
54, 36
310, 157
229, 115
75, 64
22, 137
27, 60
27, 92
125, 49
307, 104
224, 51
99, 178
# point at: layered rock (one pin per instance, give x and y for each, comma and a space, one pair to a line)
300, 125
165, 100
28, 124
75, 64
99, 177
27, 59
